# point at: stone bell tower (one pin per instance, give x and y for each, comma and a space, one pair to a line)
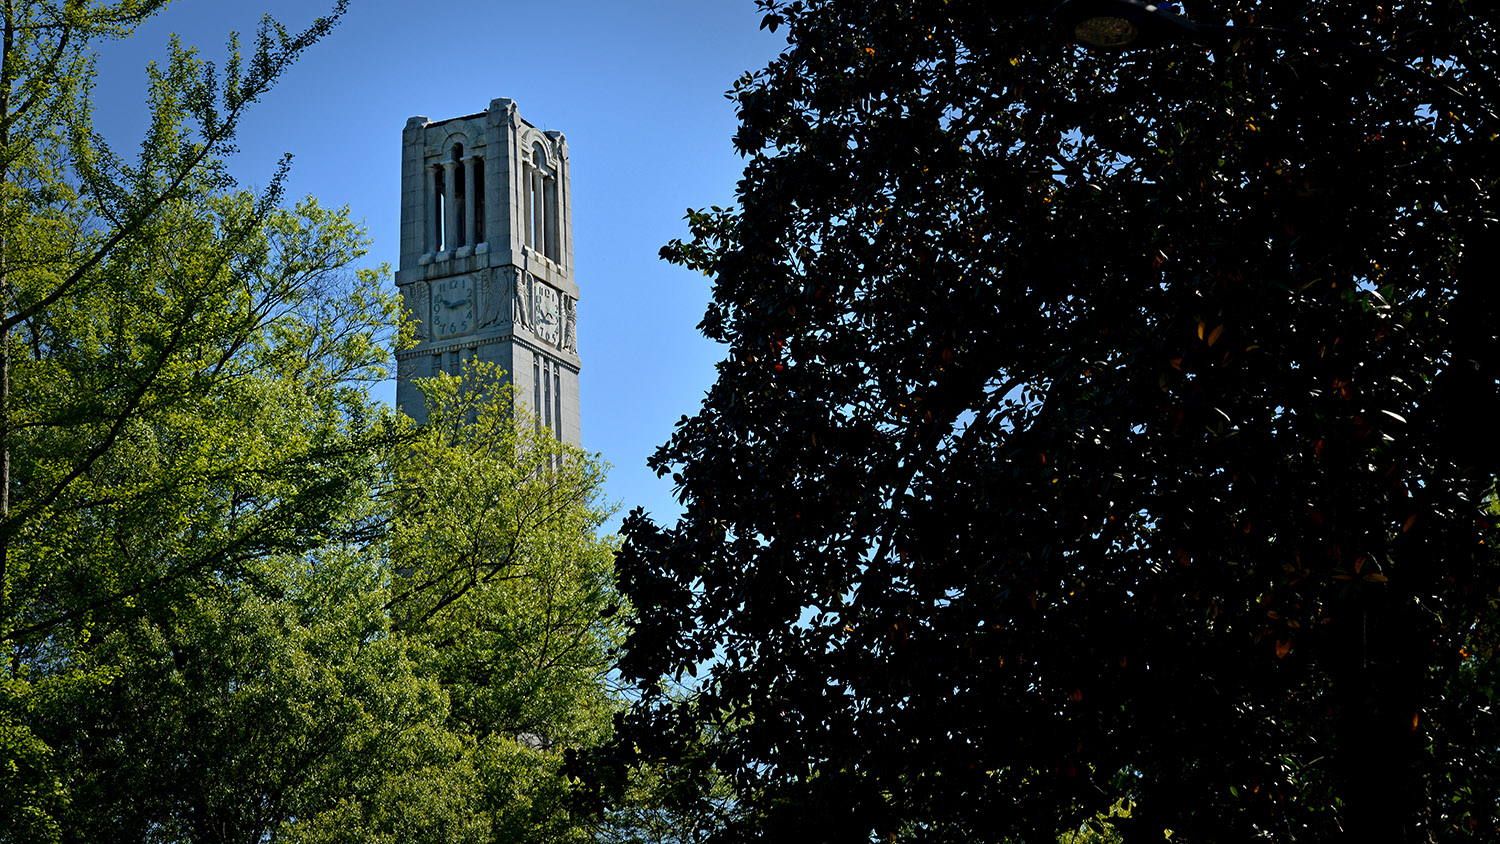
487, 259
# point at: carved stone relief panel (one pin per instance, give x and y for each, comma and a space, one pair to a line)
523, 299
496, 297
414, 297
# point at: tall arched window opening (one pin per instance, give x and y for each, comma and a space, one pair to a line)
460, 204
549, 213
477, 185
439, 209
541, 206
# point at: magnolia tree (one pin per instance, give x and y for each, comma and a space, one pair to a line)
1100, 434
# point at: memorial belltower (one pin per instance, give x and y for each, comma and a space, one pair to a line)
487, 259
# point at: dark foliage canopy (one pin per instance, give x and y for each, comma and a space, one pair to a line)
1093, 427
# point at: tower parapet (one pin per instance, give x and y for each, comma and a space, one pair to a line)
487, 259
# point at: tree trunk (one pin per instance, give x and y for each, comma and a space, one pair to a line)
1380, 752
6, 73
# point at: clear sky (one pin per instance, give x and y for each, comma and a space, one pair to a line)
637, 88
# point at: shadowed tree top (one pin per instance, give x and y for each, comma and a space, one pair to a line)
1091, 426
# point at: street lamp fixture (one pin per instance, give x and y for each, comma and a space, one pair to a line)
1134, 24
1124, 24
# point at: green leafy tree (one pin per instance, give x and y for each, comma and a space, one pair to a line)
498, 594
417, 684
240, 601
132, 297
684, 800
1092, 426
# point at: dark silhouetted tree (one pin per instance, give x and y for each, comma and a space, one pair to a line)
1092, 427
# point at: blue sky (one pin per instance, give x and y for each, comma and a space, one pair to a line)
637, 87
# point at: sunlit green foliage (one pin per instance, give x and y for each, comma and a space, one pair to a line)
239, 600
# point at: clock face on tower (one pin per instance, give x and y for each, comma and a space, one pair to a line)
548, 314
452, 306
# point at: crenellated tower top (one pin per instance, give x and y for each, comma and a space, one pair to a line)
487, 258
